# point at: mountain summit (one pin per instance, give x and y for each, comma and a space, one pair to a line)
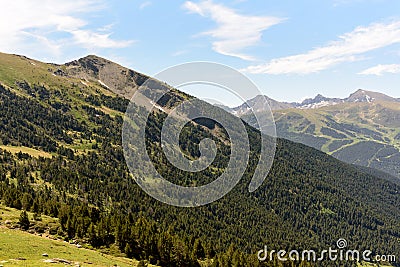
367, 96
120, 80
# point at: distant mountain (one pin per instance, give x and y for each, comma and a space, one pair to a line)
360, 96
361, 129
257, 103
369, 97
318, 102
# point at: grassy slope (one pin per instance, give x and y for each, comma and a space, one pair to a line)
19, 68
33, 152
18, 244
365, 115
379, 117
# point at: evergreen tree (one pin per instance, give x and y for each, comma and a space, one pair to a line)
24, 220
198, 250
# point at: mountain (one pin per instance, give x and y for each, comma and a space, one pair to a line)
61, 155
318, 101
368, 96
257, 103
110, 75
361, 129
360, 96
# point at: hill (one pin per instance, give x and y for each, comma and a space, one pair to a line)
309, 199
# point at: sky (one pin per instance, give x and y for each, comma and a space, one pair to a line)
290, 49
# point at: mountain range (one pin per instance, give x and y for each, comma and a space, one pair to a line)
362, 129
360, 96
61, 155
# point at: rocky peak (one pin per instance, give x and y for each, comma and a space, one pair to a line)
108, 74
364, 96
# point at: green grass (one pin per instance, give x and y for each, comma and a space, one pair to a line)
12, 215
16, 244
33, 152
361, 115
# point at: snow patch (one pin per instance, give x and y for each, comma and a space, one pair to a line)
368, 98
318, 105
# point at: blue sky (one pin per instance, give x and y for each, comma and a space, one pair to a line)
290, 49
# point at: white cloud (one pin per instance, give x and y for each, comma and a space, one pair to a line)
39, 25
92, 39
234, 32
349, 47
145, 4
381, 69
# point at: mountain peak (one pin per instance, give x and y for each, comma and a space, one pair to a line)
361, 92
318, 101
96, 59
362, 95
110, 75
91, 63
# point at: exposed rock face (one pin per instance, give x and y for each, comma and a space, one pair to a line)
110, 75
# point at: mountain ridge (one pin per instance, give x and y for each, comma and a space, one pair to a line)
361, 129
359, 96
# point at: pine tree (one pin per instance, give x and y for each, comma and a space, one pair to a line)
198, 250
24, 220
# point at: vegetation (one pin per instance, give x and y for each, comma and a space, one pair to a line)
23, 249
347, 131
308, 201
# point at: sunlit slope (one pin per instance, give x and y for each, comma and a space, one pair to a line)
367, 134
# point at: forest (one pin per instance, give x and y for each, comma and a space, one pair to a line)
308, 201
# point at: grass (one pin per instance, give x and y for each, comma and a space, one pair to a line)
33, 152
16, 244
12, 215
19, 248
348, 113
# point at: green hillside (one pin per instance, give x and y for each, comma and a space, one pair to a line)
23, 249
361, 133
365, 134
309, 199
